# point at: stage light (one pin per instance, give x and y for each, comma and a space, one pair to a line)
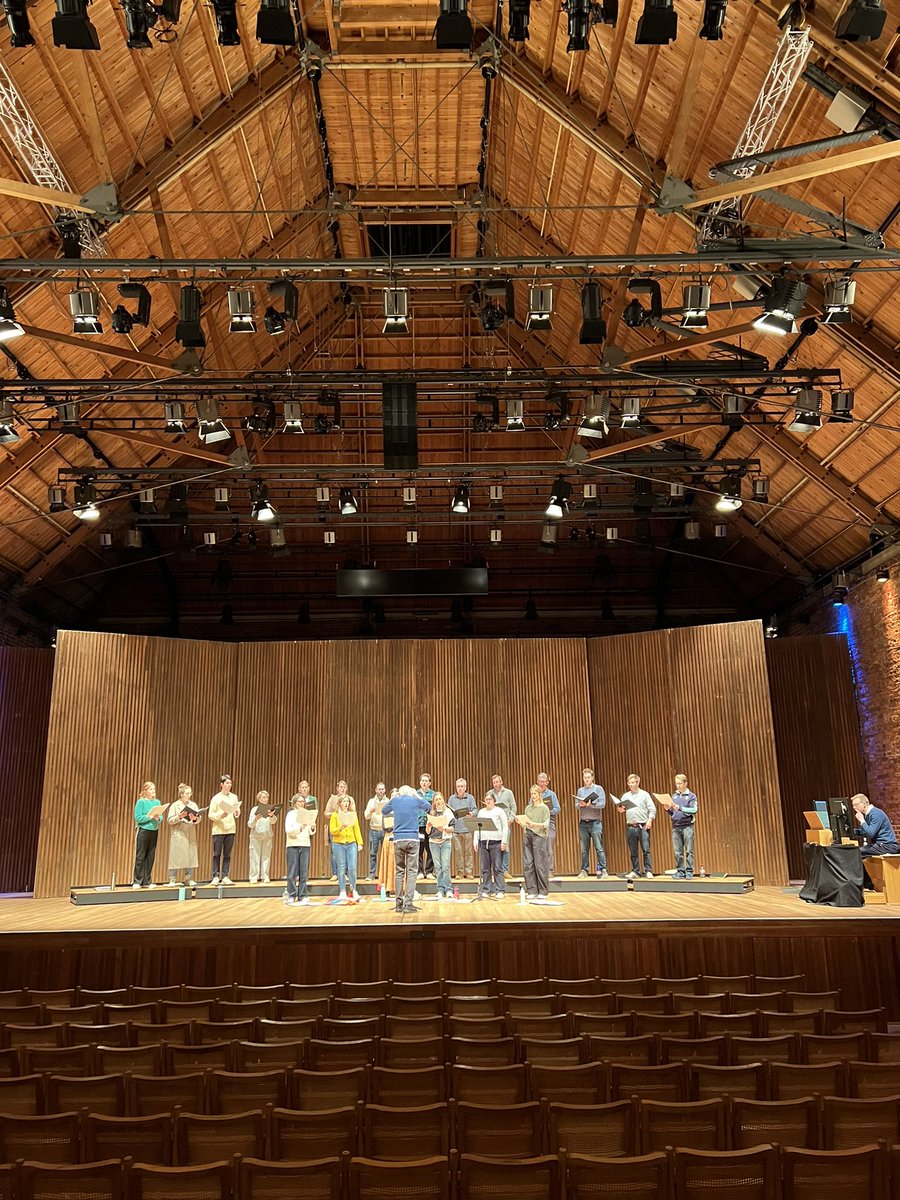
225, 13
220, 499
69, 414
105, 540
550, 536
276, 320
595, 422
293, 417
720, 529
772, 627
676, 491
273, 321
240, 310
883, 575
453, 30
274, 24
559, 499
211, 427
579, 24
695, 303
496, 537
329, 537
519, 17
612, 533
262, 419
9, 326
209, 538
593, 327
85, 309
412, 537
261, 509
590, 500
347, 505
409, 496
842, 406
57, 498
808, 411
713, 20
692, 530
730, 496
323, 497
783, 301
486, 422
17, 19
85, 506
630, 411
72, 28
147, 501
461, 500
657, 25
123, 321
759, 489
540, 308
733, 404
515, 414
176, 504
8, 431
531, 612
396, 311
278, 542
841, 588
189, 331
838, 300
863, 21
134, 539
481, 423
174, 412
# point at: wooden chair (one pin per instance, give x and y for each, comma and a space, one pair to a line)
665, 1024
213, 1181
749, 1081
726, 983
310, 991
695, 1124
114, 1060
22, 1014
9, 1182
118, 1034
690, 985
215, 992
49, 1139
473, 1006
285, 1031
511, 1132
23, 1096
9, 1064
149, 1094
574, 986
712, 1050
494, 1085
668, 1082
251, 992
776, 1024
61, 997
849, 1123
592, 1177
626, 987
413, 1007
529, 1005
337, 1056
823, 1174
555, 1027
349, 1029
203, 1139
151, 995
406, 1133
152, 1033
734, 1024
521, 987
411, 1029
414, 991
327, 1133
301, 1010
468, 987
789, 1081
784, 1122
34, 1035
765, 1049
216, 1056
777, 983
601, 1004
67, 1014
743, 1002
102, 1094
501, 1052
401, 1054
87, 1181
244, 1010
104, 995
237, 1092
585, 1084
718, 1174
870, 1020
657, 1005
866, 1081
610, 1130
186, 1010
553, 1052
205, 1033
61, 1060
715, 1003
355, 1010
317, 1179
419, 1086
884, 1047
527, 1179
619, 1025
811, 1001
371, 1179
268, 1056
13, 997
147, 1139
640, 1051
376, 989
849, 1047
146, 1011
472, 1028
311, 1090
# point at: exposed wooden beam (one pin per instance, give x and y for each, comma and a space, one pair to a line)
177, 448
97, 140
688, 344
649, 439
43, 195
125, 352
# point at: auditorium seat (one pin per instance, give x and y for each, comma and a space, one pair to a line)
529, 1179
697, 1124
784, 1122
473, 1006
553, 1052
146, 1012
709, 1082
354, 1010
402, 1054
716, 1002
468, 987
499, 1052
817, 1174
244, 1010
13, 998
102, 996
55, 1138
701, 1050
640, 1051
592, 1177
22, 1014
285, 1031
539, 1027
62, 997
626, 987
203, 1139
302, 1010
421, 1085
66, 1014
144, 1139
186, 1010
426, 1007
584, 1084
103, 1094
608, 1129
328, 1089
871, 1020
317, 1179
413, 991
374, 1179
23, 1095
9, 1064
204, 1033
600, 1003
620, 1025
15, 1036
148, 1094
494, 1086
848, 1047
726, 983
263, 1056
213, 1181
376, 989
311, 1134
214, 1056
350, 1029
811, 1001
520, 1005
739, 1024
779, 983
152, 995
788, 1081
867, 1080
406, 1133
514, 1131
573, 987
153, 1033
86, 1181
521, 987
744, 1002
118, 1034
477, 1027
847, 1123
884, 1047
669, 1024
246, 992
776, 1024
241, 1091
658, 1004
310, 991
213, 993
751, 1174
785, 1048
62, 1060
667, 1082
113, 1060
405, 1028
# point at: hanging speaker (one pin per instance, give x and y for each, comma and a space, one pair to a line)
401, 435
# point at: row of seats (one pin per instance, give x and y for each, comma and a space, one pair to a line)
629, 1126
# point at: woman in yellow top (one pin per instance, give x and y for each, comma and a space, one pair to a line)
346, 841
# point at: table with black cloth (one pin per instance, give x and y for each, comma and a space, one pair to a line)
834, 875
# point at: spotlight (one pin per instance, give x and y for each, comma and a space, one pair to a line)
134, 539
461, 500
519, 16
69, 415
713, 20
177, 501
278, 542
595, 422
484, 422
808, 414
721, 529
409, 496
630, 411
225, 13
540, 308
609, 11
124, 321
240, 309
189, 331
262, 418
209, 539
260, 507
347, 505
8, 431
481, 423
72, 28
274, 24
175, 422
783, 301
695, 303
9, 326
17, 19
515, 414
329, 537
840, 590
759, 489
496, 537
612, 533
147, 501
85, 506
57, 498
692, 530
277, 319
883, 575
593, 327
140, 16
730, 497
323, 497
579, 24
838, 301
676, 492
105, 540
559, 499
273, 321
657, 24
550, 535
453, 30
85, 309
396, 311
772, 627
590, 501
412, 537
212, 428
863, 21
293, 417
842, 406
220, 499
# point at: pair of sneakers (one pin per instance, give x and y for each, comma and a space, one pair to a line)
215, 881
354, 895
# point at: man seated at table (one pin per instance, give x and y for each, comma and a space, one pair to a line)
876, 828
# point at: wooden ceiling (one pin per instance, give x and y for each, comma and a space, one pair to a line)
216, 153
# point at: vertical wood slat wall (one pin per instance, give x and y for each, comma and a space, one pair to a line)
126, 709
26, 679
816, 730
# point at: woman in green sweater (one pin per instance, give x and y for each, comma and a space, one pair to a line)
148, 813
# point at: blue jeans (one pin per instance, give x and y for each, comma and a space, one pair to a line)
376, 837
346, 855
591, 831
637, 836
492, 878
297, 871
504, 861
683, 848
440, 853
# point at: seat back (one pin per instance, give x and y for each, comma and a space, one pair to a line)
668, 1082
327, 1133
722, 1174
697, 1124
584, 1084
511, 1132
203, 1139
604, 1178
328, 1089
148, 1139
849, 1123
609, 1130
148, 1094
406, 1133
783, 1122
417, 1086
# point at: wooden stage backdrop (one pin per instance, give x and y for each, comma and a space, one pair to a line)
126, 709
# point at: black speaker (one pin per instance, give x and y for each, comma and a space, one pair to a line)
401, 435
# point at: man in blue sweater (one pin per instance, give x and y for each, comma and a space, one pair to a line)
682, 808
406, 808
876, 828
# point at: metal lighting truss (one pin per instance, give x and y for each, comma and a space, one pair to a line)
790, 58
27, 139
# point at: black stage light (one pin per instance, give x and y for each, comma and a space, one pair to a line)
261, 507
461, 501
85, 309
72, 28
69, 232
808, 411
9, 326
782, 302
274, 24
842, 406
519, 17
262, 418
609, 11
593, 327
838, 301
123, 320
8, 431
453, 30
17, 19
559, 499
713, 20
862, 22
657, 24
531, 611
276, 319
579, 23
347, 505
139, 17
175, 422
273, 321
225, 13
883, 576
189, 331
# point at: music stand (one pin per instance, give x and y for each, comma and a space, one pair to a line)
470, 824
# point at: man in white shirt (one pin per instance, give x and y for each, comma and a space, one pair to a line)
639, 818
376, 826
